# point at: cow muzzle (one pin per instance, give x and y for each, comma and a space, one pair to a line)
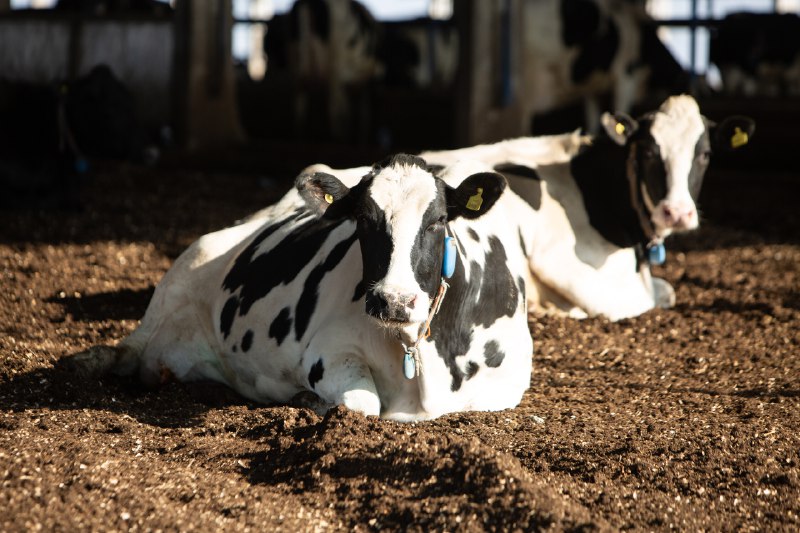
392, 308
675, 216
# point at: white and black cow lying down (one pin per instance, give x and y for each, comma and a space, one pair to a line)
600, 207
278, 305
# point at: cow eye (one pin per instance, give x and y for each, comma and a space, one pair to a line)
704, 156
435, 225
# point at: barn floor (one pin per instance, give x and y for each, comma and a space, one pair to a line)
686, 418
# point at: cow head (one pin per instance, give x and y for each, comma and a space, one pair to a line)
668, 152
401, 211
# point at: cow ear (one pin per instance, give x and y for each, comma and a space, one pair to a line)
475, 196
619, 127
324, 194
732, 133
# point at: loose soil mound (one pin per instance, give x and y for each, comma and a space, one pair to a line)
686, 418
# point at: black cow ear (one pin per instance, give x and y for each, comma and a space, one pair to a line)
475, 196
324, 194
732, 133
619, 127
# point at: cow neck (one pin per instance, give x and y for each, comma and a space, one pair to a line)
607, 179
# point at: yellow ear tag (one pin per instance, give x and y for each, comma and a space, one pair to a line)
619, 128
475, 201
329, 198
739, 138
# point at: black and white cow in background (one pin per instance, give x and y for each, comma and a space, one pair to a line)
596, 204
275, 306
575, 50
758, 54
332, 44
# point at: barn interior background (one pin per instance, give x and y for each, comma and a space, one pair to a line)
129, 128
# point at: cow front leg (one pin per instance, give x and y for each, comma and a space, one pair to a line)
663, 294
343, 380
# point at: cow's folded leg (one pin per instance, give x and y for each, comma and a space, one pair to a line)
345, 381
663, 293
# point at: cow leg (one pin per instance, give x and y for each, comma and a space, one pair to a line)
598, 292
663, 293
343, 380
122, 360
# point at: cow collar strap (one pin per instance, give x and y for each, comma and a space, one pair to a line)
412, 363
655, 253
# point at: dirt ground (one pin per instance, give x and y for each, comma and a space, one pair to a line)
687, 418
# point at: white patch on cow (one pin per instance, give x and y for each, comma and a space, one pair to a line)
677, 127
404, 193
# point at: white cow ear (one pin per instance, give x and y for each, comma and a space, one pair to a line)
732, 133
324, 194
619, 127
475, 196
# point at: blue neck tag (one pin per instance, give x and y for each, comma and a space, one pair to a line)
450, 254
409, 366
656, 254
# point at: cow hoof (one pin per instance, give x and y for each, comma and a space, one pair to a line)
308, 400
101, 360
94, 362
663, 294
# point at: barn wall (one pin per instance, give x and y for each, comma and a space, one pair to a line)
140, 52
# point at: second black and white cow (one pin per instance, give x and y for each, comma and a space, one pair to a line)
600, 207
579, 50
330, 296
758, 54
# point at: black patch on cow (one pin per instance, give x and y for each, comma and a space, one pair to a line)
257, 276
308, 299
427, 253
234, 348
521, 287
316, 372
522, 244
530, 189
281, 326
490, 293
493, 355
597, 38
474, 234
580, 21
436, 170
227, 314
517, 170
247, 340
600, 172
702, 152
361, 290
374, 235
472, 369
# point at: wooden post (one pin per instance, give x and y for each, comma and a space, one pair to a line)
205, 107
488, 104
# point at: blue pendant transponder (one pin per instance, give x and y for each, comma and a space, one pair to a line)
449, 262
81, 165
656, 254
409, 366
